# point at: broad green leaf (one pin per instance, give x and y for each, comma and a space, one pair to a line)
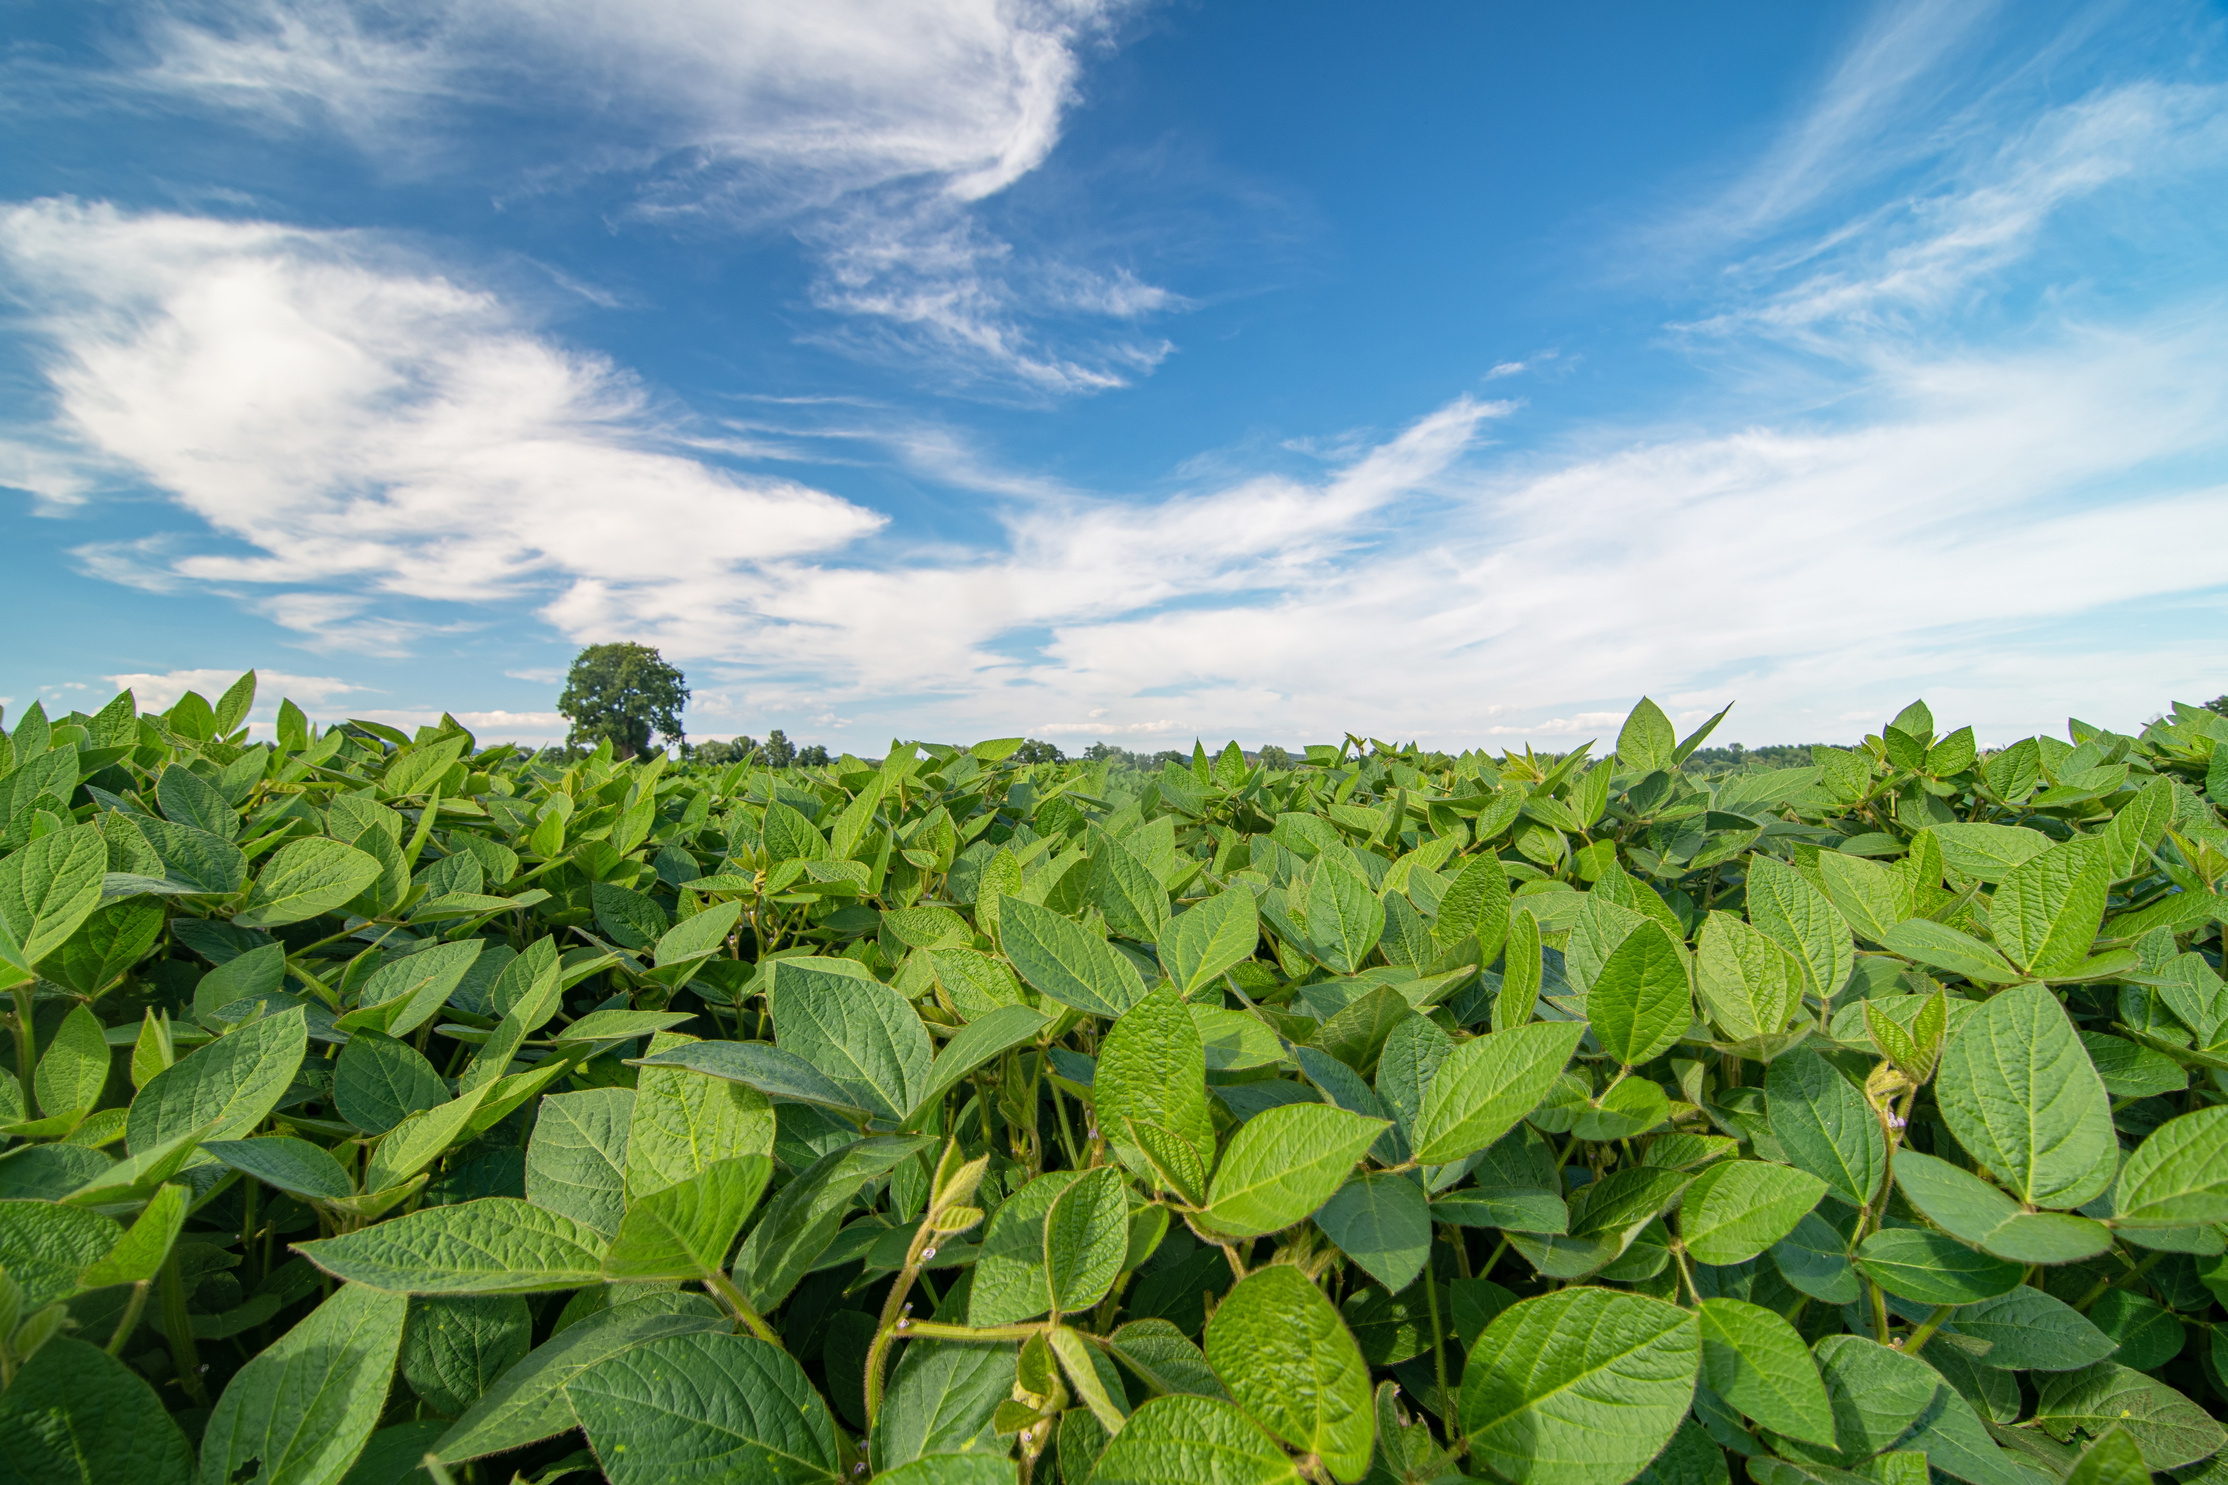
2114, 1459
2045, 913
1580, 1387
2017, 1089
2028, 1330
1287, 1359
1487, 1084
1164, 1359
1283, 1164
420, 1140
188, 799
528, 1403
44, 1246
1933, 1268
1383, 1222
292, 1165
705, 1407
1132, 898
697, 937
2178, 1175
859, 1032
2149, 1334
379, 1082
404, 994
941, 1398
802, 1219
1737, 1209
1800, 918
1063, 959
50, 886
1202, 942
73, 1066
1091, 1377
455, 1346
1753, 1359
76, 1416
1640, 1003
1602, 924
1814, 1258
1876, 1393
683, 1231
1869, 895
684, 1123
299, 1413
1185, 1440
576, 1161
113, 938
259, 974
1011, 1281
305, 878
1086, 1238
2170, 1429
1986, 852
1152, 1073
1647, 742
225, 1088
139, 1253
1344, 918
496, 1245
974, 1044
1825, 1127
1965, 1206
1522, 972
762, 1067
1749, 983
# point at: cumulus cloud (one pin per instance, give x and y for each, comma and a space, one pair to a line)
870, 128
159, 691
359, 425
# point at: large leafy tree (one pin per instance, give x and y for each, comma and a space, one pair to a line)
623, 692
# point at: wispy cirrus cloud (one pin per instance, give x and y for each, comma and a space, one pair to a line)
870, 130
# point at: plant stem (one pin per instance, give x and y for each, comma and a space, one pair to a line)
178, 1330
26, 1050
1925, 1332
2135, 1271
723, 1289
133, 1309
1438, 1343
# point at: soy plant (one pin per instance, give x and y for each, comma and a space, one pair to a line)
389, 1108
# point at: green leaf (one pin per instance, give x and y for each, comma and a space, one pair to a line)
404, 994
705, 1407
763, 1068
1487, 1084
683, 1123
2179, 1174
2018, 1090
699, 936
139, 1254
497, 1245
942, 1396
299, 1413
527, 1403
455, 1346
1800, 918
1202, 942
1647, 741
576, 1161
1086, 1237
1988, 852
1825, 1126
1011, 1281
1283, 1164
683, 1231
1132, 898
1814, 1258
2149, 1334
1933, 1268
1063, 959
2030, 1330
1185, 1440
1580, 1387
1287, 1359
1877, 1393
1870, 896
1640, 1002
1344, 918
379, 1082
292, 1165
801, 1220
189, 799
420, 1140
1737, 1209
259, 974
2170, 1429
1750, 984
224, 1089
45, 1246
73, 1066
1966, 1207
2114, 1459
76, 1416
859, 1032
974, 1044
1753, 1359
307, 877
113, 938
1151, 1079
51, 886
2046, 912
1522, 972
1383, 1222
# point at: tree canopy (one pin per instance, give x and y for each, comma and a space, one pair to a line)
623, 692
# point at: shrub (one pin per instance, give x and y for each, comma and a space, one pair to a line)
958, 1118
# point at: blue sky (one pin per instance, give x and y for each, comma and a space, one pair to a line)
1107, 369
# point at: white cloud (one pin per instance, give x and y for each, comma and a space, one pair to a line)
870, 127
158, 692
362, 425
